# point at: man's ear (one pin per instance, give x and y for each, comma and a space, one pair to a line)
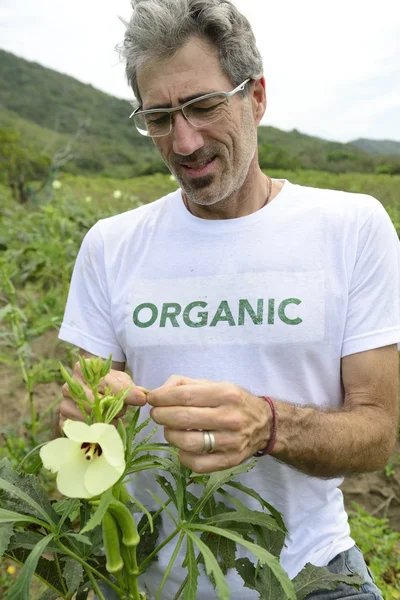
259, 98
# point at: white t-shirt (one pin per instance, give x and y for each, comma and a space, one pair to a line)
271, 301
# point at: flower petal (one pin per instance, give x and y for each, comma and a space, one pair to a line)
57, 452
101, 475
112, 446
71, 477
82, 432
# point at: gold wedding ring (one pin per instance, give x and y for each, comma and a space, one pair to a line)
209, 442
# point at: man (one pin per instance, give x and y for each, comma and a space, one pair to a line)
244, 287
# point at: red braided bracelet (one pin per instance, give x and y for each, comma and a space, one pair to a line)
269, 447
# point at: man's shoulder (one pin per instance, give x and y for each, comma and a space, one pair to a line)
338, 201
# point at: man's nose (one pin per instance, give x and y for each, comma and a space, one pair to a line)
186, 138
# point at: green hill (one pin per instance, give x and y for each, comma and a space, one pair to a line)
378, 146
50, 108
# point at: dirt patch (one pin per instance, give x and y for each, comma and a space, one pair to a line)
378, 492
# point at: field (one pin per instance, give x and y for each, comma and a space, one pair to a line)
38, 246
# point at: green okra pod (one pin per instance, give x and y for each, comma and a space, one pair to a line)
126, 521
111, 544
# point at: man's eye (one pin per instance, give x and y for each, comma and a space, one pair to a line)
157, 118
206, 107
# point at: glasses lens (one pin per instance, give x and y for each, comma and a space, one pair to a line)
153, 124
206, 111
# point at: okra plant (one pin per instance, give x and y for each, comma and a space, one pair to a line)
92, 537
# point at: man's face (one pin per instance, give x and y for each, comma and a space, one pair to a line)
210, 162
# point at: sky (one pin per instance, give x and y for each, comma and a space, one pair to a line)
332, 67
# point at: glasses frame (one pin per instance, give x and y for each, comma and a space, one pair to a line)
182, 107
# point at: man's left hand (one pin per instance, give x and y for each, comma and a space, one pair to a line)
239, 421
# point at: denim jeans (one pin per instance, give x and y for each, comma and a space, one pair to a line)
348, 562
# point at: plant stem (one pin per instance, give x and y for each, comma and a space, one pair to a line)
157, 550
87, 566
94, 585
64, 587
96, 405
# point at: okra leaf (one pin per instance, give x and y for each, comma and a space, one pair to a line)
9, 516
248, 516
24, 493
261, 579
223, 549
190, 563
6, 531
73, 574
20, 589
220, 478
212, 567
148, 539
264, 503
263, 555
313, 578
100, 511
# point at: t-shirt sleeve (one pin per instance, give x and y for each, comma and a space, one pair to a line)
87, 321
373, 311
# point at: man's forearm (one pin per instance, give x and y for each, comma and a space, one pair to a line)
335, 442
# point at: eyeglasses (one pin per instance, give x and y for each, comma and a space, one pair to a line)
199, 112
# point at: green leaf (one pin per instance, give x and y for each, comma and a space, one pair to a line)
73, 574
264, 503
223, 549
9, 516
49, 595
83, 539
105, 369
218, 479
122, 432
28, 540
25, 494
67, 505
116, 405
190, 563
71, 505
148, 539
263, 555
166, 487
99, 513
250, 516
247, 572
261, 579
6, 531
313, 578
212, 567
20, 589
144, 509
163, 505
46, 570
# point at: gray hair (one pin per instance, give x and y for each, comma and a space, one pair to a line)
159, 28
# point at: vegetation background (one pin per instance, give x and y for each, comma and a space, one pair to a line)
68, 157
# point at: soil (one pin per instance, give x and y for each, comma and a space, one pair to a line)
377, 492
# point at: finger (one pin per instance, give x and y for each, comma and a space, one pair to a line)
69, 410
208, 463
177, 380
195, 441
115, 381
180, 417
197, 394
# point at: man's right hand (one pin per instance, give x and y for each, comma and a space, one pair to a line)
116, 380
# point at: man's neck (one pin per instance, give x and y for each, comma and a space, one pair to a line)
244, 202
